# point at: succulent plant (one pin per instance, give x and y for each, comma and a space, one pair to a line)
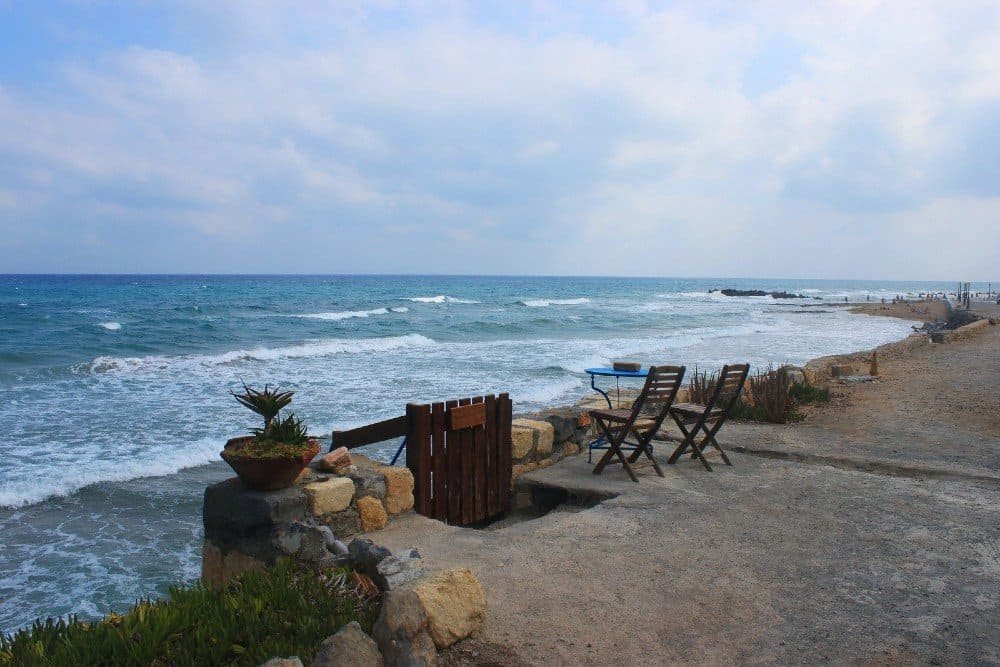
267, 403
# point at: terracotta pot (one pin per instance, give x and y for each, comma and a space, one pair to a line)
266, 474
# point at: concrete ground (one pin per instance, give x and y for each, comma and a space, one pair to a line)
771, 560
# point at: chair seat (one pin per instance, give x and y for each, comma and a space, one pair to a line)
612, 415
693, 409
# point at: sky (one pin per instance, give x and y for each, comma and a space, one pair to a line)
749, 139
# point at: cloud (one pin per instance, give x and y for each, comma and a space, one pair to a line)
510, 140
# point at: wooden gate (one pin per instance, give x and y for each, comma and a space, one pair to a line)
458, 451
460, 455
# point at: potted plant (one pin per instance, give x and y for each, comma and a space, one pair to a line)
273, 456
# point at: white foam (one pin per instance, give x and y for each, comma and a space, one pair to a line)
111, 326
440, 298
400, 309
35, 488
321, 348
542, 303
344, 315
23, 305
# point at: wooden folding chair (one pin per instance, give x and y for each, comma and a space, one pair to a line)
641, 422
710, 417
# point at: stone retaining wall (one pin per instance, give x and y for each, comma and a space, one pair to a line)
309, 521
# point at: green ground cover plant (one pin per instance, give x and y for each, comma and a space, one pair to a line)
285, 611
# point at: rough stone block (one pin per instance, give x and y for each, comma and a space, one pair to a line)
349, 647
368, 482
231, 507
570, 448
371, 513
454, 602
333, 495
293, 661
345, 523
522, 441
398, 488
541, 437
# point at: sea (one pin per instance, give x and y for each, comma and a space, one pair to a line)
115, 390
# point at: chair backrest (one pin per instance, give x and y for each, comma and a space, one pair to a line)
728, 387
658, 393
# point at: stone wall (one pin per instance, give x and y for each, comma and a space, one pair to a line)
543, 438
309, 521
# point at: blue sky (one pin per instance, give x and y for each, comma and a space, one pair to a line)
840, 140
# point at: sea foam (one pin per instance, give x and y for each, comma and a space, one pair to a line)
542, 303
111, 326
344, 315
441, 298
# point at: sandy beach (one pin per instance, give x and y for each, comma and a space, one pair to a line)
866, 534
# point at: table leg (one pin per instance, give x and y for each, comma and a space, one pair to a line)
602, 392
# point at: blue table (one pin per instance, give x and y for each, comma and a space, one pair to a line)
617, 375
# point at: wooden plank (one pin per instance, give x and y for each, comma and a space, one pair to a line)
492, 506
466, 416
466, 440
454, 473
479, 480
418, 441
479, 462
504, 442
366, 435
440, 462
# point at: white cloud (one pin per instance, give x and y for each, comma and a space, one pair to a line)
365, 122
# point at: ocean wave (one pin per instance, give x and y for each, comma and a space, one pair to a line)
321, 348
344, 314
36, 488
400, 309
440, 298
111, 326
542, 303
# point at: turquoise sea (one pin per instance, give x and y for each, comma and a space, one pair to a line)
114, 389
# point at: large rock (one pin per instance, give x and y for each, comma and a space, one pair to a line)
345, 523
401, 631
372, 514
231, 507
333, 495
367, 482
454, 602
335, 460
398, 488
531, 434
349, 647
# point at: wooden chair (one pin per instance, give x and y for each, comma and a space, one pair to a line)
642, 421
710, 417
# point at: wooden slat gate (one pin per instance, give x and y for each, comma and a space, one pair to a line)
460, 455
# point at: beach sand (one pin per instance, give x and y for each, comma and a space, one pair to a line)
868, 534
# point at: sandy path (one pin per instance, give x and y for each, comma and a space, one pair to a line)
768, 561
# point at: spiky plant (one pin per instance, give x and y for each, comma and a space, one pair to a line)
267, 403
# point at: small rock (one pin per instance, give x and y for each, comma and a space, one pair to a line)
396, 571
399, 488
283, 662
349, 646
333, 495
366, 555
331, 461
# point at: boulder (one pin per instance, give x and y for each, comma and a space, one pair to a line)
794, 374
372, 514
454, 603
398, 488
349, 647
218, 567
231, 507
333, 495
401, 631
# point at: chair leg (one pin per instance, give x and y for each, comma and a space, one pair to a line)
614, 449
690, 441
